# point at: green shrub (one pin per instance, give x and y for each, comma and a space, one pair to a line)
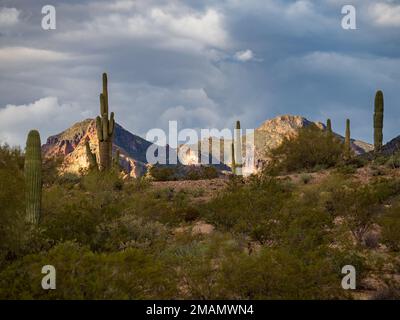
82, 274
130, 232
12, 207
394, 161
280, 274
390, 223
310, 149
160, 173
305, 178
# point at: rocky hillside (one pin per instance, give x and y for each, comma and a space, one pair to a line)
392, 146
70, 145
272, 132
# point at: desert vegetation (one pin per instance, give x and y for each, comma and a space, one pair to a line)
283, 233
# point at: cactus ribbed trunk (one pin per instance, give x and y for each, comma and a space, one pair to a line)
378, 121
33, 177
329, 127
347, 147
105, 130
238, 150
233, 165
104, 155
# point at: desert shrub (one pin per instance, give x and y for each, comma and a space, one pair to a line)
361, 204
82, 274
311, 148
105, 181
242, 207
386, 293
12, 208
68, 180
201, 172
162, 173
74, 214
394, 161
371, 240
305, 178
280, 274
189, 213
346, 169
130, 232
137, 185
390, 223
162, 205
50, 169
198, 264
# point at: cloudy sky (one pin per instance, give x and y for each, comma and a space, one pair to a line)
202, 63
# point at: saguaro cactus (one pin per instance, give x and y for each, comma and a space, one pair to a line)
238, 150
329, 127
91, 157
378, 120
33, 177
347, 148
105, 129
233, 164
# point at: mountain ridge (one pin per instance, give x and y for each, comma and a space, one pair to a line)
70, 145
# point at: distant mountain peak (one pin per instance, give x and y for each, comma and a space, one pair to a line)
70, 145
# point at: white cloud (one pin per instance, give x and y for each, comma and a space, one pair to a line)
45, 115
25, 58
169, 26
25, 54
8, 17
387, 15
245, 55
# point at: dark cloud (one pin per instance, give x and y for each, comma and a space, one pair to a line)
178, 60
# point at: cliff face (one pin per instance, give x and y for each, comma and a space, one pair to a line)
70, 145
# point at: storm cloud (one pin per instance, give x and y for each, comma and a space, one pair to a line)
202, 63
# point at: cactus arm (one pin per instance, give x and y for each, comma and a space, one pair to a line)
91, 157
105, 92
99, 128
111, 125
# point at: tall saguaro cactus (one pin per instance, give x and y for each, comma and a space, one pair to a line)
105, 129
329, 127
33, 177
233, 164
378, 120
347, 148
237, 151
